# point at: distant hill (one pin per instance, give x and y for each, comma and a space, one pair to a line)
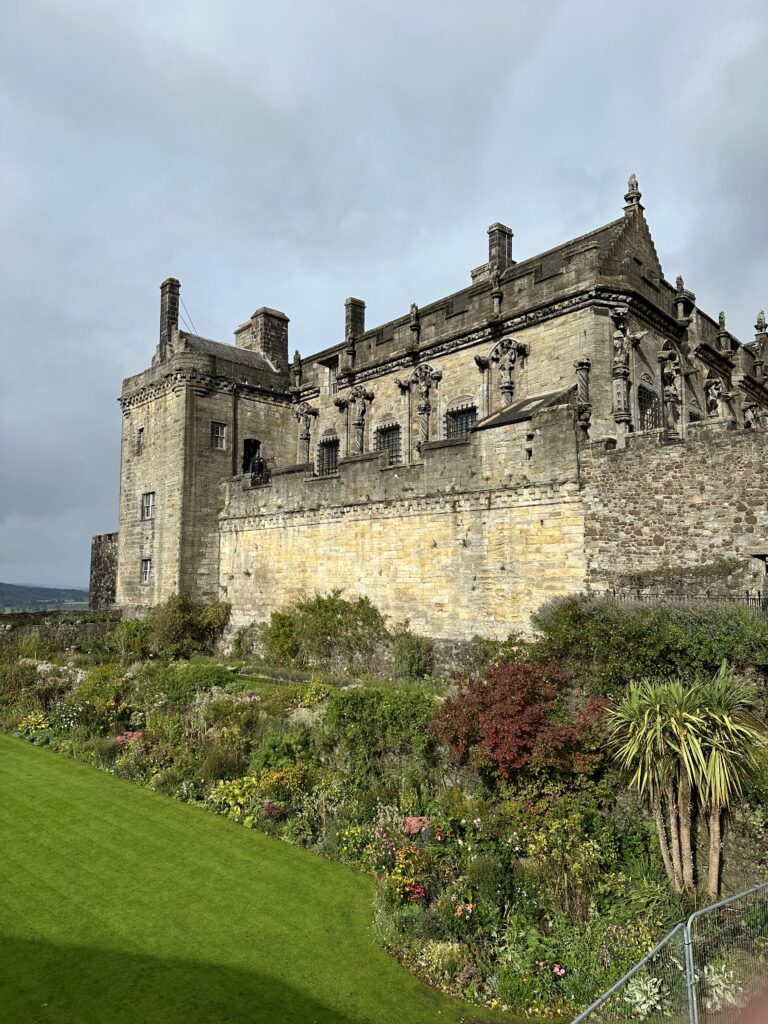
15, 598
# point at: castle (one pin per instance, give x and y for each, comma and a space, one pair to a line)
571, 421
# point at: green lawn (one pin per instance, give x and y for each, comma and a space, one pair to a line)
119, 905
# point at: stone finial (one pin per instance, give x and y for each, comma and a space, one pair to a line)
633, 196
297, 369
721, 320
679, 284
760, 322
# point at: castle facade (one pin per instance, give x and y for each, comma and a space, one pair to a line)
569, 422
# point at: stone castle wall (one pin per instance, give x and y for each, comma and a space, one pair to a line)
467, 541
103, 582
683, 518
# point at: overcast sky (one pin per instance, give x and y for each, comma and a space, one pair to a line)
293, 154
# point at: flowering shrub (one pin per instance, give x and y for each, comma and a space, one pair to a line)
128, 737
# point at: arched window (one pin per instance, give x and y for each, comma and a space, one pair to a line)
387, 439
648, 412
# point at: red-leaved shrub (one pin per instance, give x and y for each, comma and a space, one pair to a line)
515, 718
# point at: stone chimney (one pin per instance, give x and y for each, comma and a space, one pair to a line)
169, 313
354, 318
500, 246
266, 332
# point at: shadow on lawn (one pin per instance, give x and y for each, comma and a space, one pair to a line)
43, 983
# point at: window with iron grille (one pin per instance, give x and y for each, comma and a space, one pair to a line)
146, 570
649, 414
387, 439
148, 505
459, 422
219, 436
328, 457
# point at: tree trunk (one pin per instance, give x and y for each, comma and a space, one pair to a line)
674, 836
715, 850
658, 817
684, 814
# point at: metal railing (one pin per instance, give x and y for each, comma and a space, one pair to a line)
704, 971
757, 600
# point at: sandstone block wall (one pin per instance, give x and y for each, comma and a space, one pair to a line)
469, 540
678, 518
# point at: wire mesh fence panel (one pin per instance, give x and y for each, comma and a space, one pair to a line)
729, 947
655, 991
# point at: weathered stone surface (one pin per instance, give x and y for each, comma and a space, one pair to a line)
618, 440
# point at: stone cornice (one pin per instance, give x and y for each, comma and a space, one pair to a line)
489, 333
200, 383
717, 361
754, 390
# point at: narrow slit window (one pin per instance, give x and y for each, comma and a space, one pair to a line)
140, 441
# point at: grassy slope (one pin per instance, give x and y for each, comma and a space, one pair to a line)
118, 905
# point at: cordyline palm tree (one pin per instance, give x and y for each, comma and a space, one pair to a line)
733, 743
654, 732
682, 743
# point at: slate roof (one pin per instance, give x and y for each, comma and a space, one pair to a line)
228, 352
524, 410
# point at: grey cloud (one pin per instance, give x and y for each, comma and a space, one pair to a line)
294, 154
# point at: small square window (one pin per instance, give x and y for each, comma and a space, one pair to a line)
140, 441
146, 570
459, 422
328, 457
219, 436
148, 505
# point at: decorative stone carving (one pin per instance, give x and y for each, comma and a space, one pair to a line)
633, 195
505, 356
296, 369
423, 379
751, 416
305, 413
713, 394
360, 398
583, 406
671, 389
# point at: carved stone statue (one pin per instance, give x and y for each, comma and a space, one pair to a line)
423, 378
305, 413
360, 397
713, 392
751, 417
620, 348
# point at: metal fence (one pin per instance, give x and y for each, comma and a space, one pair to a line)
757, 600
703, 972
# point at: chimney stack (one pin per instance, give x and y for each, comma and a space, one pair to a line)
169, 312
354, 319
266, 332
500, 246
